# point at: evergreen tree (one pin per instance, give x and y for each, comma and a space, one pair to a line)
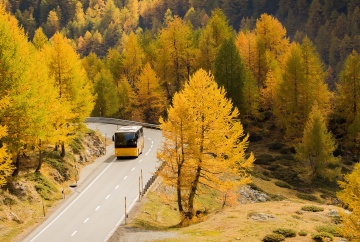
315, 152
230, 72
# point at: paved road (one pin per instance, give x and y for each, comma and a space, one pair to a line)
96, 208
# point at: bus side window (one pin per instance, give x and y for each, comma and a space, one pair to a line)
113, 138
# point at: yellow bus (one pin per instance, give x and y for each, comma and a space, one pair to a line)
129, 141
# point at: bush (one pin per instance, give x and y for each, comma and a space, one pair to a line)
274, 167
276, 146
283, 184
60, 166
302, 233
264, 159
285, 232
273, 238
328, 229
311, 208
308, 197
321, 236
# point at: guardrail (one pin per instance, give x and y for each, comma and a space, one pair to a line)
120, 122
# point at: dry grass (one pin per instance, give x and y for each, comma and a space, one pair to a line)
158, 212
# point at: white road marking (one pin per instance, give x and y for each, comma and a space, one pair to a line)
133, 169
125, 177
86, 220
74, 233
117, 187
57, 217
140, 161
97, 208
107, 196
148, 152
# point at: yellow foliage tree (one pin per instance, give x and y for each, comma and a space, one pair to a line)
175, 55
151, 96
204, 145
133, 56
315, 151
6, 167
74, 88
350, 196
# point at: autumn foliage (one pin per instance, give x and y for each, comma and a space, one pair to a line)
204, 144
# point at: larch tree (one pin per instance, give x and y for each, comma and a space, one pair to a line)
107, 102
133, 57
39, 39
272, 35
127, 101
15, 53
348, 94
272, 43
43, 107
6, 167
151, 96
315, 151
246, 42
74, 88
204, 145
303, 83
230, 72
211, 38
350, 196
176, 54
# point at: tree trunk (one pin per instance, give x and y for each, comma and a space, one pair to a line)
178, 190
190, 214
62, 150
17, 165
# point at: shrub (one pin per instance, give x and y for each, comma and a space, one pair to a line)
328, 229
285, 232
61, 167
273, 238
283, 184
311, 208
275, 146
321, 236
302, 233
308, 197
264, 159
274, 167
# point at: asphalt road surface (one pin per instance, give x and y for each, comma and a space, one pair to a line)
97, 205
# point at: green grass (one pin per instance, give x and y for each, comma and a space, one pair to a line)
308, 197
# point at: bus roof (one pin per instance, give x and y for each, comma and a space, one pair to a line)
128, 129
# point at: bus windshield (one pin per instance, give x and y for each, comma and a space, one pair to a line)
125, 139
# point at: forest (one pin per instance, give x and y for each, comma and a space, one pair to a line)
291, 64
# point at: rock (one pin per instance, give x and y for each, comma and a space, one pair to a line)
249, 195
333, 213
15, 218
262, 217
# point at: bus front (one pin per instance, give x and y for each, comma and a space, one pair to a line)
125, 144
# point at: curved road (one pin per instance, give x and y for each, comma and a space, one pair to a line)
96, 207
